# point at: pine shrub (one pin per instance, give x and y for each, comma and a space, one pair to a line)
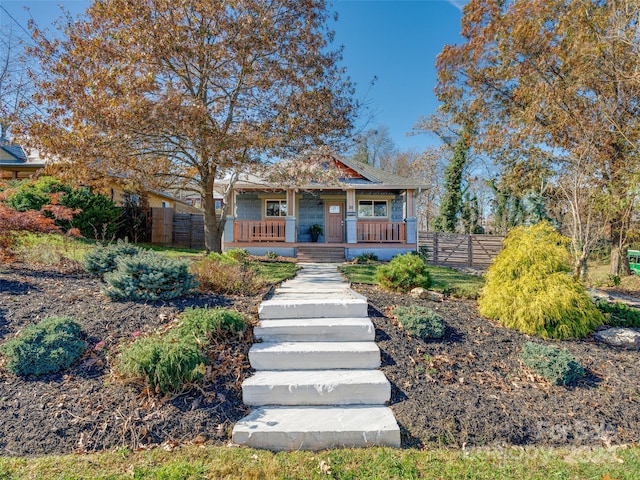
420, 321
149, 276
50, 346
618, 314
403, 273
529, 287
103, 259
207, 324
556, 365
166, 364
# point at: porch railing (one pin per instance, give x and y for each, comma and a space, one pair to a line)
259, 231
382, 232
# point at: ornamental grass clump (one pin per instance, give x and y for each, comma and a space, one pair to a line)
149, 276
403, 273
420, 321
556, 365
226, 273
208, 324
165, 364
50, 346
529, 287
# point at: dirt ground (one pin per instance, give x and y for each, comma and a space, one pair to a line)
467, 389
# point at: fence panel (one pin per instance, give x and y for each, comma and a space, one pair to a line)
459, 250
185, 230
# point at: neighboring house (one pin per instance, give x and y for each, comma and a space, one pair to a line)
154, 198
369, 211
15, 164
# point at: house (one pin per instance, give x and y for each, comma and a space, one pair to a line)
15, 164
368, 211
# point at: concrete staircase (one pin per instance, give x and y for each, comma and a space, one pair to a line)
316, 385
320, 253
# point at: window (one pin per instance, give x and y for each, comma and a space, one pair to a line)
276, 208
372, 208
165, 204
218, 203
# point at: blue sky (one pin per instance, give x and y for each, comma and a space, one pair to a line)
396, 41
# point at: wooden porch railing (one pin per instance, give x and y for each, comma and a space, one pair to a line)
259, 231
382, 232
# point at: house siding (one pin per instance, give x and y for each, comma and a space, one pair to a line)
310, 211
248, 207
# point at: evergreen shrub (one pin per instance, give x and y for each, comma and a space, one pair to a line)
618, 314
529, 287
556, 365
403, 273
165, 364
420, 321
149, 276
97, 215
103, 259
50, 346
207, 324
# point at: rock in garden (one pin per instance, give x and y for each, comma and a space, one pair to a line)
421, 293
620, 337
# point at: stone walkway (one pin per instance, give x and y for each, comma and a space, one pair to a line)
316, 383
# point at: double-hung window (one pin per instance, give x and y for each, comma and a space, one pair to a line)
275, 208
373, 209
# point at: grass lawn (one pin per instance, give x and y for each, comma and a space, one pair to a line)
274, 272
446, 280
374, 463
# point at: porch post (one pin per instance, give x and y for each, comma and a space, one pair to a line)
229, 225
290, 219
352, 218
410, 217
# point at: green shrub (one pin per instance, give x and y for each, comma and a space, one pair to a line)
97, 217
149, 276
240, 255
618, 314
554, 364
271, 255
367, 257
529, 287
207, 324
225, 275
420, 321
50, 346
166, 364
403, 273
103, 259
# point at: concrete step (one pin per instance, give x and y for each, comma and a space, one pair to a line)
315, 330
317, 428
314, 355
317, 387
301, 305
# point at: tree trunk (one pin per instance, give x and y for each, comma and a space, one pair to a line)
580, 268
213, 229
619, 263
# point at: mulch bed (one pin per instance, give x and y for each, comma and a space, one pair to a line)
467, 389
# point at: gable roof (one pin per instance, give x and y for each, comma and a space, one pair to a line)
11, 153
357, 175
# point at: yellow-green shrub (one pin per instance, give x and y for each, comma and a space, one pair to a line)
529, 287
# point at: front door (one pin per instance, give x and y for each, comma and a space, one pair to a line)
334, 222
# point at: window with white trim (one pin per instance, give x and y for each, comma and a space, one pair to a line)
275, 208
373, 208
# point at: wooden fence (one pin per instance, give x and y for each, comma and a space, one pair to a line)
185, 230
459, 250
